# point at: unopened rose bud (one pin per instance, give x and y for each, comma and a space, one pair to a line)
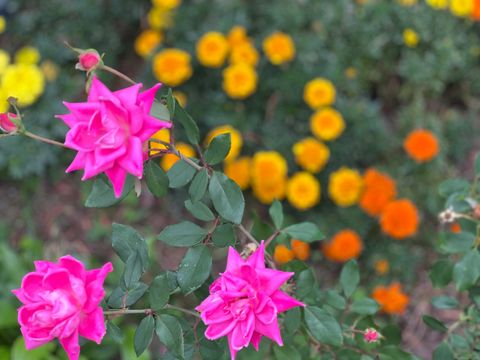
371, 335
88, 60
476, 212
7, 125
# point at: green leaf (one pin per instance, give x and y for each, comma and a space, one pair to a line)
444, 302
183, 234
180, 174
144, 334
292, 320
457, 243
349, 278
194, 269
276, 213
323, 326
114, 332
171, 103
210, 350
433, 323
223, 235
286, 352
227, 197
218, 149
441, 273
135, 293
305, 231
443, 352
102, 196
199, 210
306, 282
126, 241
335, 300
160, 111
198, 187
121, 297
467, 271
452, 186
190, 126
133, 269
159, 292
157, 179
170, 334
365, 306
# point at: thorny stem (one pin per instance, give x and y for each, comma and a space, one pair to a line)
148, 311
117, 73
43, 139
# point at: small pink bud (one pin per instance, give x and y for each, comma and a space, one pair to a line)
88, 60
7, 125
371, 335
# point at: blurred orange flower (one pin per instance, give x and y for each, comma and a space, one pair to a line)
301, 249
345, 245
382, 266
391, 298
379, 190
283, 254
455, 228
399, 219
421, 145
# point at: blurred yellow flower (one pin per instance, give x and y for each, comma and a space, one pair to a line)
327, 124
27, 55
303, 191
3, 24
168, 160
162, 135
244, 53
239, 81
279, 48
438, 4
319, 92
462, 8
24, 82
407, 2
267, 191
268, 166
410, 38
237, 36
212, 49
147, 41
4, 105
159, 18
181, 98
345, 186
239, 171
4, 61
311, 154
167, 4
172, 66
236, 139
50, 70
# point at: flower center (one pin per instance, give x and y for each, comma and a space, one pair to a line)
240, 308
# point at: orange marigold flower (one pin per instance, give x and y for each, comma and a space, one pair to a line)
476, 10
391, 298
421, 145
400, 219
301, 249
455, 228
345, 245
239, 171
382, 266
283, 254
379, 190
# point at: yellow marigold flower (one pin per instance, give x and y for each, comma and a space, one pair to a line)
212, 49
279, 48
172, 66
268, 166
327, 124
27, 55
239, 81
267, 191
382, 266
3, 24
319, 92
24, 82
303, 191
311, 154
181, 97
147, 41
410, 38
4, 105
4, 61
237, 36
162, 135
437, 4
236, 140
351, 72
462, 8
244, 53
167, 4
345, 187
168, 160
50, 70
407, 2
239, 171
159, 18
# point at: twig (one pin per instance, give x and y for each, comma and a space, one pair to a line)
43, 139
248, 235
148, 311
117, 73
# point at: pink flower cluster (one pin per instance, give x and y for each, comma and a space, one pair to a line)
109, 132
244, 302
62, 300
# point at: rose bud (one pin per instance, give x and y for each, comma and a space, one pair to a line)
88, 60
7, 125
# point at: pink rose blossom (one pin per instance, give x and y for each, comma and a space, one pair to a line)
6, 125
62, 300
244, 302
88, 60
371, 335
109, 131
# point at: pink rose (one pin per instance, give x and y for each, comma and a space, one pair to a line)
109, 132
62, 300
88, 60
371, 335
7, 125
245, 301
